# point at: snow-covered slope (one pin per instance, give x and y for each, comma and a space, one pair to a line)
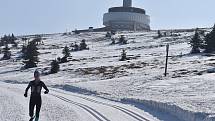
98, 70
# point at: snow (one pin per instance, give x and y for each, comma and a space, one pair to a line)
59, 105
188, 87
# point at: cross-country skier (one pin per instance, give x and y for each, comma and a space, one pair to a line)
35, 98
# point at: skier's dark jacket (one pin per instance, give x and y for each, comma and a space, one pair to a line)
36, 88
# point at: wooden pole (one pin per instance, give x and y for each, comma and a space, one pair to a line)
167, 55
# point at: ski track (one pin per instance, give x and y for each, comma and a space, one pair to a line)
93, 112
124, 110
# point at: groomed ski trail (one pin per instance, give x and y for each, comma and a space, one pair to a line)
62, 105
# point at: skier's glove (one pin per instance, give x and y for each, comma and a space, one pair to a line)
46, 92
25, 95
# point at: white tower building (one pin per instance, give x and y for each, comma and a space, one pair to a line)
126, 18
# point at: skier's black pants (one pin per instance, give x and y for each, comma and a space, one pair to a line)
35, 101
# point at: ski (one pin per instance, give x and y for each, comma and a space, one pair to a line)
32, 118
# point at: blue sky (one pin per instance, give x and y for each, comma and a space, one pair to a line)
49, 16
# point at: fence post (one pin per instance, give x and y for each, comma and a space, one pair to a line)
167, 55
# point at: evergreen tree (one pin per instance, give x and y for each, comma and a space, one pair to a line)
210, 41
59, 60
83, 45
122, 40
159, 34
31, 55
12, 36
7, 53
196, 43
108, 35
13, 39
123, 56
55, 67
66, 52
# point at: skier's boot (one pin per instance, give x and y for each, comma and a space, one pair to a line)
32, 118
37, 119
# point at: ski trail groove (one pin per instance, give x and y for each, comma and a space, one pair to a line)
85, 107
127, 111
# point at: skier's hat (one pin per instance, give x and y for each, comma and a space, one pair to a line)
36, 73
